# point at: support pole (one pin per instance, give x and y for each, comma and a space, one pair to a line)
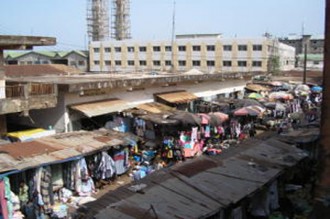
322, 190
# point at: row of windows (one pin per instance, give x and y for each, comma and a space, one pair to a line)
181, 48
182, 63
72, 63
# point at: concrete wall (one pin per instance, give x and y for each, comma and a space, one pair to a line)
61, 117
218, 55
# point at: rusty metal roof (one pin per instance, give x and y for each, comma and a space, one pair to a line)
102, 107
154, 107
201, 187
58, 148
177, 97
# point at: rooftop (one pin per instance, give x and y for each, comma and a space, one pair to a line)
11, 42
191, 189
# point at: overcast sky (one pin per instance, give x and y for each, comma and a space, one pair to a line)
152, 19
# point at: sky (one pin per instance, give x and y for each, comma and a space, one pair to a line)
152, 19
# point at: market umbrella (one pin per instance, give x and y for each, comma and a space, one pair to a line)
280, 95
246, 111
205, 118
186, 118
258, 108
255, 96
316, 89
301, 89
222, 116
215, 120
239, 103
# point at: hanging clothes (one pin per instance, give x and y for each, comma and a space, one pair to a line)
106, 168
8, 197
120, 158
3, 201
68, 175
46, 186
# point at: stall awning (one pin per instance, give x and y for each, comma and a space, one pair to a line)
177, 96
154, 107
102, 107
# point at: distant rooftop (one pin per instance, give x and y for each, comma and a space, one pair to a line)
299, 37
39, 70
211, 35
11, 42
50, 54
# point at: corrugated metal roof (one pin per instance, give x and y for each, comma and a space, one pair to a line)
177, 97
57, 148
102, 107
39, 70
214, 184
154, 107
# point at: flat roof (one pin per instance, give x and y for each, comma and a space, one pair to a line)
13, 42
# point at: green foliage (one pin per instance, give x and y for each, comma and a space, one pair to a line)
274, 65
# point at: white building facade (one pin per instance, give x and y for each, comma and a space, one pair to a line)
207, 54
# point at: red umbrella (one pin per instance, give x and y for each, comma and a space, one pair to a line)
205, 118
223, 116
246, 111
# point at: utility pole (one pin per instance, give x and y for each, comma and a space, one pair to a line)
321, 207
172, 40
305, 63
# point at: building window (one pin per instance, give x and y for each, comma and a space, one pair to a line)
37, 62
156, 63
196, 63
227, 63
96, 62
29, 62
107, 49
22, 63
257, 47
130, 49
156, 48
196, 48
182, 63
168, 48
227, 48
143, 49
130, 62
117, 49
81, 62
210, 48
210, 63
45, 62
256, 63
107, 62
242, 47
96, 50
316, 62
118, 62
241, 63
182, 48
143, 62
168, 63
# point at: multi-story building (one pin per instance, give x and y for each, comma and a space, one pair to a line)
207, 53
75, 58
314, 44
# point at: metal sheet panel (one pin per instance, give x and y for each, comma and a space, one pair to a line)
58, 148
204, 186
102, 107
154, 107
178, 97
